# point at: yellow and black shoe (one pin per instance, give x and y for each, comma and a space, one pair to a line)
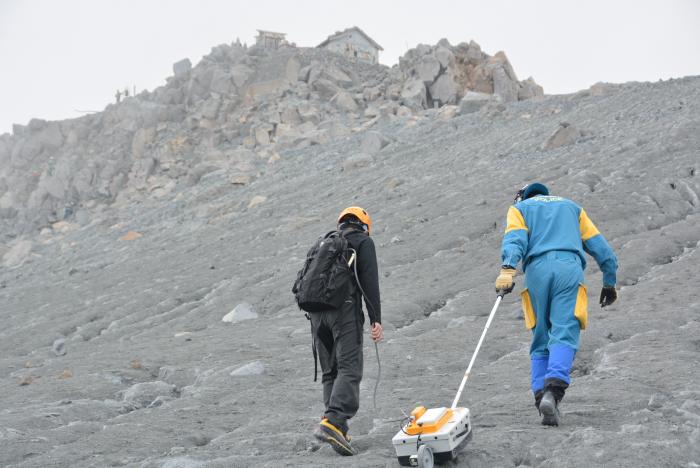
327, 432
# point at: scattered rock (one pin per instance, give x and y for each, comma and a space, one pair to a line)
256, 200
198, 439
448, 112
253, 368
65, 374
345, 101
373, 142
564, 135
143, 394
529, 89
241, 312
18, 254
26, 380
357, 161
59, 347
473, 102
131, 235
240, 179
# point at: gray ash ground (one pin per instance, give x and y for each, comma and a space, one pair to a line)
152, 376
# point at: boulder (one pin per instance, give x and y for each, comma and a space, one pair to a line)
18, 254
241, 312
372, 93
250, 369
144, 394
326, 89
240, 75
373, 142
182, 68
336, 75
285, 133
444, 90
256, 201
262, 134
344, 101
444, 56
481, 80
504, 86
472, 102
501, 59
529, 89
448, 112
565, 134
427, 69
357, 161
290, 115
221, 82
413, 94
474, 53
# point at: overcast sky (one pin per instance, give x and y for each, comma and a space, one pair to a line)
59, 58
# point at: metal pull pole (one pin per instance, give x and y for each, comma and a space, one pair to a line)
476, 351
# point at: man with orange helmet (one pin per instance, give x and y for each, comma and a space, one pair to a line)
337, 334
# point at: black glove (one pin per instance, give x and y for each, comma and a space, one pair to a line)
608, 295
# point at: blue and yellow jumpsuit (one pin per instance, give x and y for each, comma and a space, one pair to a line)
550, 235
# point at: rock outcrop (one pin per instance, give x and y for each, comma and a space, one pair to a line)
236, 97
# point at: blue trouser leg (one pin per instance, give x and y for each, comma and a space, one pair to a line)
538, 372
561, 358
553, 285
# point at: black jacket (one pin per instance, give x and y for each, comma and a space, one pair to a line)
367, 270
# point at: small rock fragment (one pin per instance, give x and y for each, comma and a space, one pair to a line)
241, 312
565, 134
256, 200
131, 235
59, 347
253, 368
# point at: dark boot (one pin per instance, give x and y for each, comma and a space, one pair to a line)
549, 409
538, 398
339, 441
549, 404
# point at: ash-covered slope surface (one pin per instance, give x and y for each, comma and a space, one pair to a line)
152, 376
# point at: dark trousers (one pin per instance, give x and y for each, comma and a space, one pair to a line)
338, 338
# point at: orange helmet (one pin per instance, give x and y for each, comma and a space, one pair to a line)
359, 213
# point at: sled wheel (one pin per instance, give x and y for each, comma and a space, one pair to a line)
425, 457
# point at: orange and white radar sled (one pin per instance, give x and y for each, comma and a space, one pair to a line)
438, 434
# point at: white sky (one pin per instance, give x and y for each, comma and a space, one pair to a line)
58, 57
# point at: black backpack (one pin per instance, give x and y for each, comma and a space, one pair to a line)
325, 281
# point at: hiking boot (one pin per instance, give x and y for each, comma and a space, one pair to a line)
538, 398
549, 409
327, 432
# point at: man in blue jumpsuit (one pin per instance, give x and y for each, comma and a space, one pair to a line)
550, 235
